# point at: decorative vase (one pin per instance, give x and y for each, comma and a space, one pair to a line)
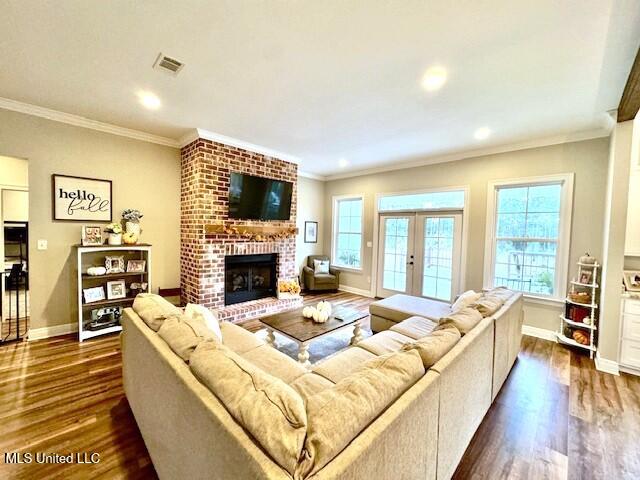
115, 239
132, 227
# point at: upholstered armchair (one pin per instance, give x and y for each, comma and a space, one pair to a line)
320, 281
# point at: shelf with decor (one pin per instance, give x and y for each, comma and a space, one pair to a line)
579, 323
108, 279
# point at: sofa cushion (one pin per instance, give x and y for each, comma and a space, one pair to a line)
338, 414
401, 307
414, 327
343, 363
385, 342
464, 320
209, 318
183, 334
154, 310
275, 363
309, 384
269, 409
487, 305
466, 299
238, 339
324, 278
434, 346
503, 293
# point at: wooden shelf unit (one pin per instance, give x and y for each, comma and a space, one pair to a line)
88, 256
591, 327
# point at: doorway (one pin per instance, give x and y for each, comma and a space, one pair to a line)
14, 249
420, 254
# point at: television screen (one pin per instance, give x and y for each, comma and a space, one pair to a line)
258, 198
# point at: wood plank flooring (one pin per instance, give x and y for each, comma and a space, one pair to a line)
556, 416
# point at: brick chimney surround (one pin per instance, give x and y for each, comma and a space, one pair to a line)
205, 170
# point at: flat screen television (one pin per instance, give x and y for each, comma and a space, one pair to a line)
259, 198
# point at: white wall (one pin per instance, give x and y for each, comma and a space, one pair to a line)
145, 176
311, 204
587, 160
15, 205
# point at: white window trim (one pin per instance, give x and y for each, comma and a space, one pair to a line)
564, 232
334, 232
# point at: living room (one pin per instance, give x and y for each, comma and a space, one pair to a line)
428, 237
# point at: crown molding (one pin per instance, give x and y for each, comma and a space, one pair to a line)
463, 155
78, 121
312, 176
236, 142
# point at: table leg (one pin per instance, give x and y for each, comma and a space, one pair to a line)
357, 334
271, 338
303, 355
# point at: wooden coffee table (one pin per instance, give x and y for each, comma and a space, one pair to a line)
303, 331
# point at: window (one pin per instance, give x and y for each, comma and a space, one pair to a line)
453, 199
347, 232
528, 234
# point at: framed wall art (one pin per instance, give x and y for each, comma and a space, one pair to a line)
91, 235
116, 289
310, 232
81, 199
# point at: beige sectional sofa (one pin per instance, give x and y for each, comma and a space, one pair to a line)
372, 410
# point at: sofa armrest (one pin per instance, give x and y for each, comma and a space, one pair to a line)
336, 272
308, 277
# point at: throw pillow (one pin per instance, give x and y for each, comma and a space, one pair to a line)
465, 299
199, 311
464, 320
154, 310
435, 345
183, 334
321, 266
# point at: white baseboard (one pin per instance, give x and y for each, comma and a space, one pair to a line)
607, 366
539, 333
357, 291
47, 332
629, 370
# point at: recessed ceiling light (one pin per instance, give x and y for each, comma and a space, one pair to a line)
149, 100
343, 162
434, 78
482, 133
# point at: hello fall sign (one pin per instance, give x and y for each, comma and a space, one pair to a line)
81, 199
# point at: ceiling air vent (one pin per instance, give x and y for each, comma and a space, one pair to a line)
168, 64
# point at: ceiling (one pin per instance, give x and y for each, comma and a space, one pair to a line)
330, 80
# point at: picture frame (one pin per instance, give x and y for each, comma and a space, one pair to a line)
116, 289
310, 232
114, 263
81, 199
94, 294
91, 236
631, 280
136, 266
586, 277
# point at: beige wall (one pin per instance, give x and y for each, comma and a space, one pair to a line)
14, 172
15, 206
587, 159
311, 206
145, 176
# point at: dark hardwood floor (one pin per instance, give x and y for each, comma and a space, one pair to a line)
556, 416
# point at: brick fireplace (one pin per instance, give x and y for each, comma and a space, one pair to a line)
206, 167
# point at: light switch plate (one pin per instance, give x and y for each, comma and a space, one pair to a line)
42, 244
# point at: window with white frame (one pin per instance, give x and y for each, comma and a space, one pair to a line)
347, 232
528, 233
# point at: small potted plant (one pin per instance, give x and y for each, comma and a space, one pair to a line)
115, 233
132, 218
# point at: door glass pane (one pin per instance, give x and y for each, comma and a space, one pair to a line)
438, 257
396, 243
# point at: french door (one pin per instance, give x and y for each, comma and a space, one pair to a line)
419, 254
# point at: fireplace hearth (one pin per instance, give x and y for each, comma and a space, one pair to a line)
249, 277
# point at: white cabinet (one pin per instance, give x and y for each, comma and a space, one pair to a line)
630, 341
632, 241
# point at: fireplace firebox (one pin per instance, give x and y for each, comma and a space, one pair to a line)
249, 277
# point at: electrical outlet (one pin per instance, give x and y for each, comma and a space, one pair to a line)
42, 244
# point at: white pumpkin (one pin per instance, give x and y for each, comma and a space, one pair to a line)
324, 307
323, 317
316, 315
95, 271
